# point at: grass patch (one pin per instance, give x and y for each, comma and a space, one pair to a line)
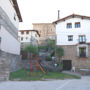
20, 75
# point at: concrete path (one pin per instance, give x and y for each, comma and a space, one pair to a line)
81, 84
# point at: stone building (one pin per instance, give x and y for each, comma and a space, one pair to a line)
9, 45
46, 30
73, 34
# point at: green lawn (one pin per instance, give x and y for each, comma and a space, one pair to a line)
20, 75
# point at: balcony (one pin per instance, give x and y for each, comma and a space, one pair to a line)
82, 55
82, 42
82, 39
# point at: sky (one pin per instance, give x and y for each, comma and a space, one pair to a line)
46, 11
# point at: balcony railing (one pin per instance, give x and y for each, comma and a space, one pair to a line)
82, 55
82, 41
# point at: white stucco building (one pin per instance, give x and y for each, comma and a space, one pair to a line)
27, 37
9, 22
73, 34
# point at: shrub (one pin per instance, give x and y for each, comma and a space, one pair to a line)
48, 58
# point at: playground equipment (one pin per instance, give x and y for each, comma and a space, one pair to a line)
41, 68
35, 64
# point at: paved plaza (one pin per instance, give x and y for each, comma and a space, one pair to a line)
73, 84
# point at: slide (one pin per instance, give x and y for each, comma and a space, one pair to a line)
41, 68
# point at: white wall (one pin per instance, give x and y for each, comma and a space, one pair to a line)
9, 43
31, 33
10, 11
62, 32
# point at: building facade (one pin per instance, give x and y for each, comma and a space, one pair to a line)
27, 37
73, 34
46, 30
9, 45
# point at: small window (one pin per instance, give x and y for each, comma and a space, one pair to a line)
82, 51
15, 17
21, 38
77, 25
27, 32
70, 38
22, 32
0, 40
69, 25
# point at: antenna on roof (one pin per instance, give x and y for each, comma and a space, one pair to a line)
58, 14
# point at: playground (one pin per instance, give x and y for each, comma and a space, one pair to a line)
34, 69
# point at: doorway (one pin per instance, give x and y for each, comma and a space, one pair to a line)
67, 64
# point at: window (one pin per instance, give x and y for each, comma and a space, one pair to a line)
69, 25
82, 39
70, 38
82, 51
15, 17
0, 26
77, 25
27, 32
26, 38
11, 2
22, 32
0, 39
21, 38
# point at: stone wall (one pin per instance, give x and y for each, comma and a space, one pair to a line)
8, 63
70, 53
46, 30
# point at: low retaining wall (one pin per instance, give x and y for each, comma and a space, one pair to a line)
9, 63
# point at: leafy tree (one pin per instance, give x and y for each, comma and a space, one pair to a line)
49, 58
59, 52
31, 49
50, 44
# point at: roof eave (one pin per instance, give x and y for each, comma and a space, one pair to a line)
17, 10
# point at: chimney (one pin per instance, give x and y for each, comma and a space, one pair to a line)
58, 14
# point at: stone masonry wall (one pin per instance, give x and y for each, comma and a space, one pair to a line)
70, 53
8, 63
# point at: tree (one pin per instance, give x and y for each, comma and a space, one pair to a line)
59, 52
31, 49
50, 44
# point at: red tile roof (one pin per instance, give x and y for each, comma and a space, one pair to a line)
72, 16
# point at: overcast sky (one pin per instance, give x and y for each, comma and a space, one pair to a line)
45, 11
